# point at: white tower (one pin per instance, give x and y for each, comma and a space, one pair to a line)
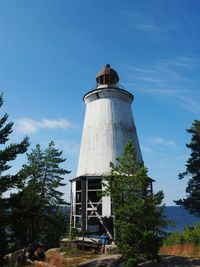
108, 125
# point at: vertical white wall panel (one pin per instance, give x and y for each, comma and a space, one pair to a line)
106, 206
73, 197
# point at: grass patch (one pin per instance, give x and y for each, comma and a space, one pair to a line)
69, 258
187, 249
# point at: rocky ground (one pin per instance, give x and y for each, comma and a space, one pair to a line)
102, 260
175, 261
167, 261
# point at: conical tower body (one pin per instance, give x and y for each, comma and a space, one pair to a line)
108, 125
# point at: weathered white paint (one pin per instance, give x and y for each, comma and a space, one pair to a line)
106, 206
107, 127
73, 198
106, 203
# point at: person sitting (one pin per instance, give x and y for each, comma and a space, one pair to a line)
35, 253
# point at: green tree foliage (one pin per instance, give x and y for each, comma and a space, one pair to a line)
188, 235
137, 217
38, 208
7, 181
192, 200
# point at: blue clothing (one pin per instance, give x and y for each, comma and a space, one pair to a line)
104, 239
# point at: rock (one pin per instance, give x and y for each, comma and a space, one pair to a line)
111, 249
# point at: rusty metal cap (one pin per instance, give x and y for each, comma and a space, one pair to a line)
107, 76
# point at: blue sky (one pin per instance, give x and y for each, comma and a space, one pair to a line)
51, 51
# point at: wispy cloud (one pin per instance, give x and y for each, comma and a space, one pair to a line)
163, 71
151, 25
146, 26
162, 141
146, 149
190, 102
70, 147
168, 78
27, 125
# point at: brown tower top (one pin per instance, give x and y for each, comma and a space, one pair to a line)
107, 76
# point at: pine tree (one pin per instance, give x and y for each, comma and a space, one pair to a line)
38, 206
192, 200
26, 204
137, 219
7, 181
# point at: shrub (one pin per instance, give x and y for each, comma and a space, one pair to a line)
186, 243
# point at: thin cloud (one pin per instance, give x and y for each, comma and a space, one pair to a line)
70, 147
168, 78
190, 103
146, 149
162, 141
164, 71
149, 25
146, 26
159, 91
27, 125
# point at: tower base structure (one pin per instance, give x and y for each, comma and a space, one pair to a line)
108, 126
91, 211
